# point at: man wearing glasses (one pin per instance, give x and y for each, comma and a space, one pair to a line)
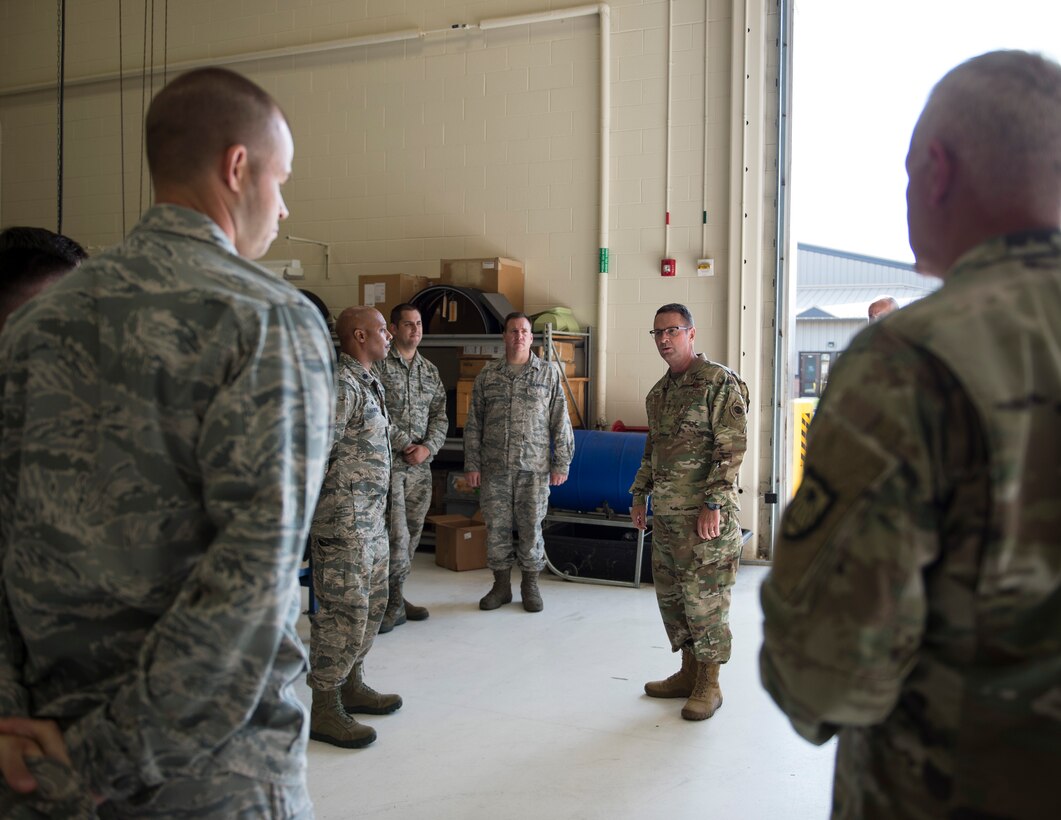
697, 419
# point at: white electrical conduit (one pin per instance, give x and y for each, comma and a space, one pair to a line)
707, 122
233, 59
600, 369
737, 178
667, 149
600, 9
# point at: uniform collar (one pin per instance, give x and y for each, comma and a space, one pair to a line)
176, 219
1006, 249
359, 370
699, 360
395, 354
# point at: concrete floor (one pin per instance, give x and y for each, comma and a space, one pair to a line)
511, 715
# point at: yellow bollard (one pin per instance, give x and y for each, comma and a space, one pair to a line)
802, 413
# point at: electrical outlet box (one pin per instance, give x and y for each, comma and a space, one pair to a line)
668, 267
705, 267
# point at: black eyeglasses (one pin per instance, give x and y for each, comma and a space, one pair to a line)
668, 331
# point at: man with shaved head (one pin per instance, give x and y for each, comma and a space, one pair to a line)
914, 605
166, 421
349, 546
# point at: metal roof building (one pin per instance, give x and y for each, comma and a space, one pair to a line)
834, 290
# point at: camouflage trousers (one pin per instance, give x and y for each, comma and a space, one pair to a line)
514, 500
693, 579
62, 794
410, 496
350, 582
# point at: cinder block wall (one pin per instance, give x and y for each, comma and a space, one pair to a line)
457, 144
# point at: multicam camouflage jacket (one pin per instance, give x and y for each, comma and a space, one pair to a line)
353, 500
518, 422
697, 435
165, 428
914, 605
416, 404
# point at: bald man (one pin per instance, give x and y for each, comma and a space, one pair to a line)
349, 544
914, 605
166, 412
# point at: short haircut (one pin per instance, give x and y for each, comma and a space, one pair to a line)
28, 254
29, 257
517, 315
201, 114
398, 310
999, 114
675, 307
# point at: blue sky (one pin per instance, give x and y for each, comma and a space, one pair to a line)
861, 74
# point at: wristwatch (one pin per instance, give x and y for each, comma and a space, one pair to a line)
711, 505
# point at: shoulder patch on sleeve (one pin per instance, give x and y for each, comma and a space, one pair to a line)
810, 506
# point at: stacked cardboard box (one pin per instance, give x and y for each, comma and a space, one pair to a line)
386, 291
496, 275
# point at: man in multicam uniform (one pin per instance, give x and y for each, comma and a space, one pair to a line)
348, 545
166, 417
914, 605
697, 435
517, 443
416, 406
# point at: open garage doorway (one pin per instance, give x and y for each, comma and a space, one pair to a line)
861, 73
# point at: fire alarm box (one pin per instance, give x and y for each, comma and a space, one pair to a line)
668, 267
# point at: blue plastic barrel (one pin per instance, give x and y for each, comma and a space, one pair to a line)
601, 473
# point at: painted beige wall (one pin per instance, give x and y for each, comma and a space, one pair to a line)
458, 144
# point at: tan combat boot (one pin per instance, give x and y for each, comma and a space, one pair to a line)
329, 723
395, 612
678, 685
529, 592
706, 696
360, 698
416, 613
501, 592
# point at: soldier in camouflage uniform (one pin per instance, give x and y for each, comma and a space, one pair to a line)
348, 544
517, 443
697, 435
166, 415
416, 406
913, 605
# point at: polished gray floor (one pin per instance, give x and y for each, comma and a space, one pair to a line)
510, 715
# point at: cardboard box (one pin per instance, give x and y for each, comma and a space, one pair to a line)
460, 542
497, 275
491, 350
464, 400
471, 365
574, 390
565, 351
386, 291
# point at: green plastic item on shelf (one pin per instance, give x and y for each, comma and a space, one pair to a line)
561, 318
